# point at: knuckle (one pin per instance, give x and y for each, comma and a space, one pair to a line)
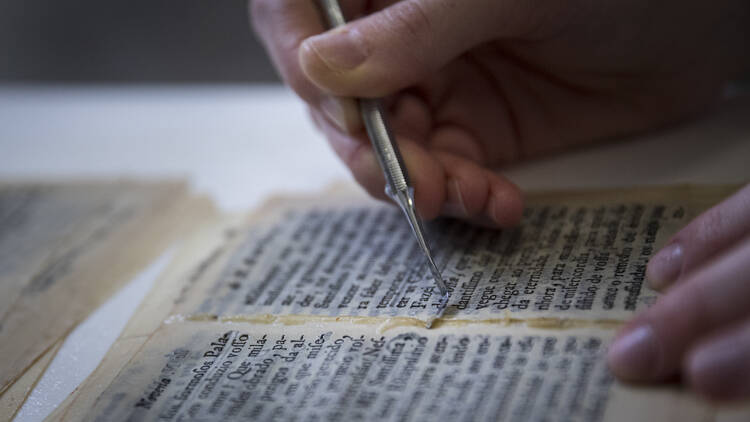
300, 85
259, 11
694, 373
679, 313
409, 17
414, 28
710, 227
265, 14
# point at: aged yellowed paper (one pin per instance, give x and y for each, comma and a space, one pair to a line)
15, 396
66, 247
577, 255
315, 309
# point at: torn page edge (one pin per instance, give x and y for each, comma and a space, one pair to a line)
387, 323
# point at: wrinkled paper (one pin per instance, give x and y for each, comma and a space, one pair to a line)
315, 309
64, 249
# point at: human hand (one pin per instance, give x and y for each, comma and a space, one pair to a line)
700, 328
476, 84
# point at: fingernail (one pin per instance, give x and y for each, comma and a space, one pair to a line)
454, 205
343, 112
334, 110
341, 49
634, 355
665, 266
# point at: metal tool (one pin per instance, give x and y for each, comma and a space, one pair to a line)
397, 185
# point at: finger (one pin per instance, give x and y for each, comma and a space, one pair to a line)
719, 367
653, 345
411, 117
715, 230
352, 148
444, 183
476, 104
282, 26
396, 47
426, 173
467, 187
457, 140
355, 152
479, 195
504, 205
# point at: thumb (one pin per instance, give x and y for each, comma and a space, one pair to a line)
399, 45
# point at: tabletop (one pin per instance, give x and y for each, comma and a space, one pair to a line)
242, 143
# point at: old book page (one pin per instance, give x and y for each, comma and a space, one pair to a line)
65, 248
315, 309
16, 394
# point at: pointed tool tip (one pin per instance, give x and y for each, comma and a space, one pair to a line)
441, 308
444, 300
439, 280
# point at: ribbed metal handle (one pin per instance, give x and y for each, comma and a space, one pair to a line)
373, 116
389, 158
386, 150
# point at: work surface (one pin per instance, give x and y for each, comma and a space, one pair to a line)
242, 143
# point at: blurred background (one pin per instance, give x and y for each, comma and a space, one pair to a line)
129, 41
147, 41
